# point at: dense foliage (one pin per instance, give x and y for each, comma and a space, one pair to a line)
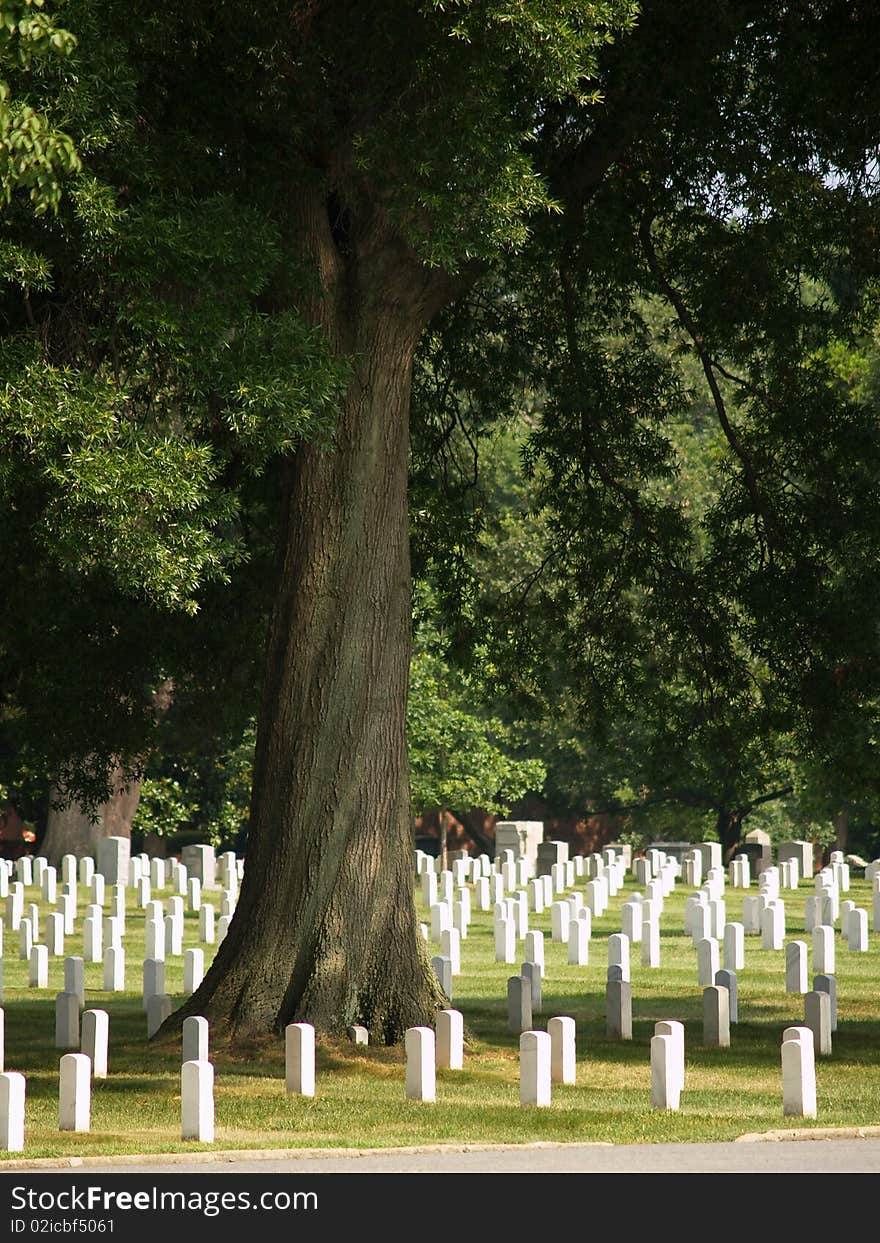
642, 236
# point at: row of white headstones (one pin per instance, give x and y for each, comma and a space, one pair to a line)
545, 1057
77, 1070
103, 935
103, 942
705, 914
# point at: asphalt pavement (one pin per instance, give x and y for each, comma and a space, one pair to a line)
780, 1156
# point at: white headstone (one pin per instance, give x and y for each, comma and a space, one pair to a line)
49, 885
482, 893
114, 969
505, 940
114, 854
117, 905
112, 931
798, 1073
420, 1064
650, 956
38, 967
665, 1088
578, 943
15, 906
734, 947
154, 939
180, 881
450, 1040
534, 949
74, 978
197, 1101
857, 930
796, 967
817, 1016
95, 1039
618, 953
823, 949
193, 970
67, 910
75, 1093
173, 937
534, 1068
531, 973
25, 939
93, 939
12, 1090
751, 916
631, 921
773, 926
563, 1057
707, 961
675, 1031
299, 1059
158, 1010
716, 1017
153, 979
206, 923
194, 1039
200, 862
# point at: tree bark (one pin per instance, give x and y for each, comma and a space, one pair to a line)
841, 831
325, 930
728, 826
72, 831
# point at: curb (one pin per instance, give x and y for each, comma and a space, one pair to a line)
819, 1132
269, 1154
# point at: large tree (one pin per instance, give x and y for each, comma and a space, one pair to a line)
276, 203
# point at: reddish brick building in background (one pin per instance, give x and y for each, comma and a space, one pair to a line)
15, 838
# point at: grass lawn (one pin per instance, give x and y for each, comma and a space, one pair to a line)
360, 1091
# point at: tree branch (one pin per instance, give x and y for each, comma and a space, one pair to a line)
759, 504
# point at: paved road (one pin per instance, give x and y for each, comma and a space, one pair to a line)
828, 1156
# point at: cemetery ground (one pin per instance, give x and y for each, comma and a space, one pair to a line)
360, 1102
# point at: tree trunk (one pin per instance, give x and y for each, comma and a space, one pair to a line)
841, 831
728, 826
325, 930
444, 854
474, 822
72, 831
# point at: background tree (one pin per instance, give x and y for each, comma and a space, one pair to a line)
459, 759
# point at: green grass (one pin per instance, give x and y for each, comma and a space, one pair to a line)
360, 1095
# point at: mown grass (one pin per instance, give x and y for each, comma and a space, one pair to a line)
360, 1094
